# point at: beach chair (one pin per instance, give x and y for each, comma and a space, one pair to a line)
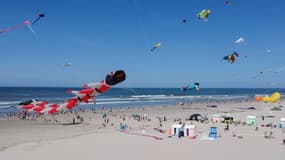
122, 127
213, 132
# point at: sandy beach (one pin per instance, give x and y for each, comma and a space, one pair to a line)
99, 135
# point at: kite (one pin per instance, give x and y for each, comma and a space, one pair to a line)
195, 86
273, 98
204, 14
184, 20
228, 2
156, 46
89, 92
268, 51
25, 23
240, 40
256, 75
231, 57
39, 17
67, 64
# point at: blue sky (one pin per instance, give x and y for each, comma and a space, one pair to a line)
98, 36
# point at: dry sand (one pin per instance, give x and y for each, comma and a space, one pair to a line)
39, 139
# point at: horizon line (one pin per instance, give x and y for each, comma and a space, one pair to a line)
143, 87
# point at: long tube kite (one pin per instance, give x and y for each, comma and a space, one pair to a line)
89, 92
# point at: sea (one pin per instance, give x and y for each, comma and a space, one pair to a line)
10, 97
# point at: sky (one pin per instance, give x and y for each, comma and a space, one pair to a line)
99, 36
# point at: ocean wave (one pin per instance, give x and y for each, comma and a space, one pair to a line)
9, 103
140, 99
146, 96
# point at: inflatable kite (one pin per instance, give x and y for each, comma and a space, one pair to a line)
273, 98
195, 86
89, 92
204, 14
39, 17
156, 46
231, 57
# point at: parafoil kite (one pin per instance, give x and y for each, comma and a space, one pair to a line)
204, 14
195, 86
89, 92
25, 23
231, 57
156, 46
39, 17
273, 98
240, 40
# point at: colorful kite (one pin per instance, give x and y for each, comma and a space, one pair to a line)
204, 14
195, 86
273, 98
231, 57
89, 92
156, 46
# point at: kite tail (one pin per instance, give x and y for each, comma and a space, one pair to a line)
30, 28
12, 28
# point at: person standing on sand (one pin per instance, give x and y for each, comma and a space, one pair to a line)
271, 134
265, 134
